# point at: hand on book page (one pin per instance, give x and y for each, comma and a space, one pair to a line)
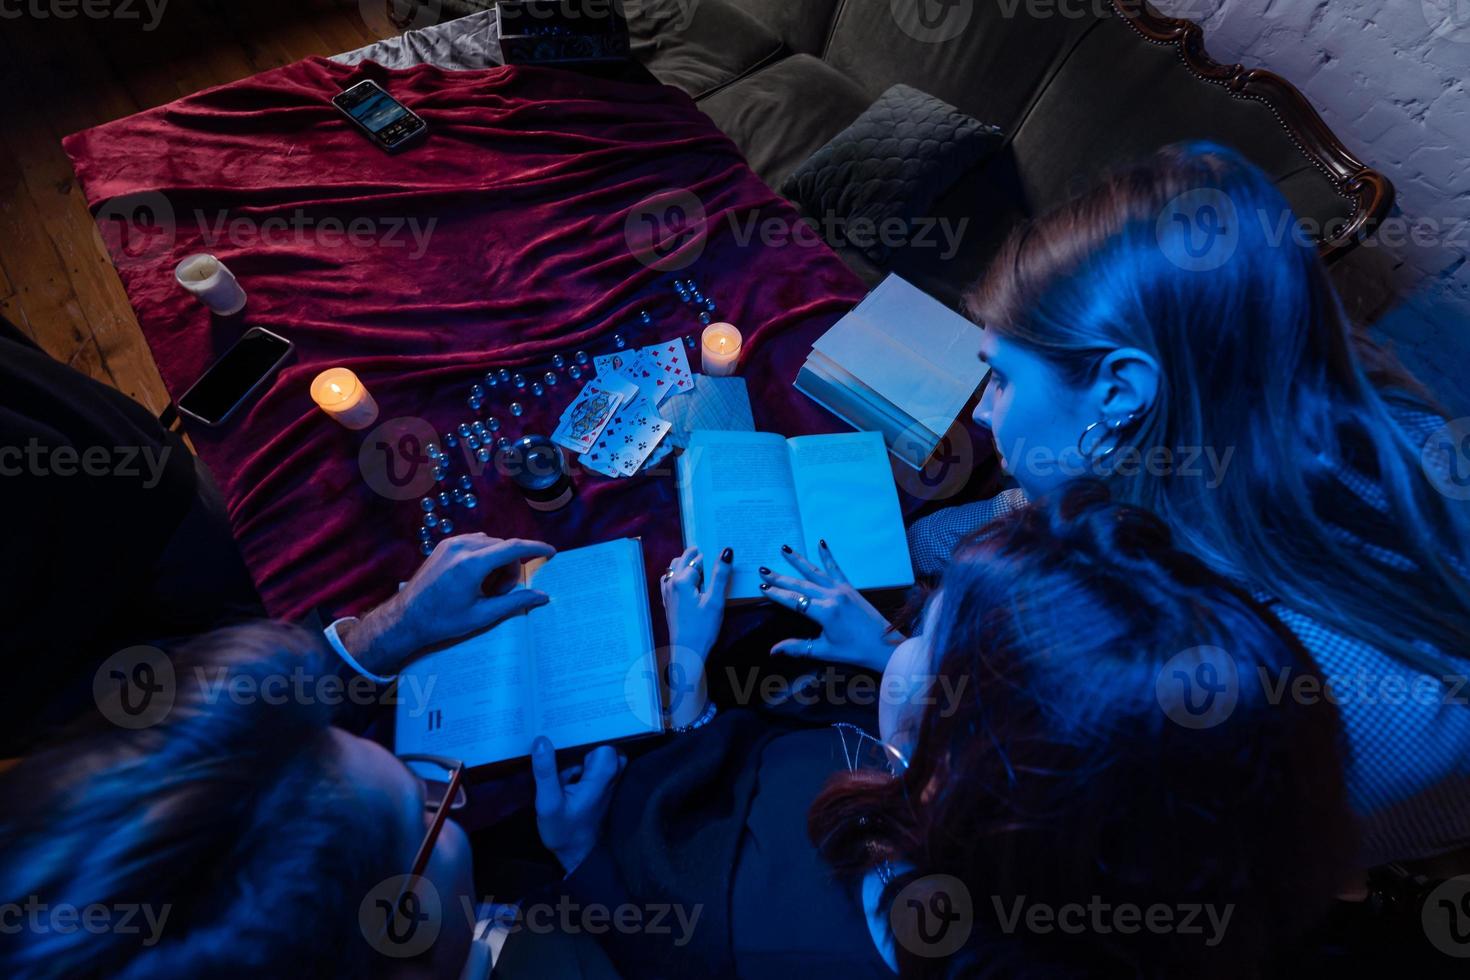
853, 631
464, 587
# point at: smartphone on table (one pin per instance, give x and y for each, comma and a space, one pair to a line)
238, 374
386, 121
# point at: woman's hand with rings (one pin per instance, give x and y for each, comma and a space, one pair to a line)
853, 632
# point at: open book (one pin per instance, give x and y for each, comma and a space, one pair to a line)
755, 491
580, 669
901, 363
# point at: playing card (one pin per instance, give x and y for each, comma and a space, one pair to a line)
670, 360
587, 415
623, 360
627, 440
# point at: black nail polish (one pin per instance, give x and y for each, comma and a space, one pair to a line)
764, 570
823, 543
786, 549
727, 556
765, 586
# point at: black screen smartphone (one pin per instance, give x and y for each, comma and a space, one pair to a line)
386, 121
234, 377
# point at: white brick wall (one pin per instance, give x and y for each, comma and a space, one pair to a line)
1390, 79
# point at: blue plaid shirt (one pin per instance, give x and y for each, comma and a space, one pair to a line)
1408, 734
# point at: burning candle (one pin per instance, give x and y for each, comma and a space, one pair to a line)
207, 279
339, 393
720, 349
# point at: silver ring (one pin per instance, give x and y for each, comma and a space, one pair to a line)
694, 562
802, 602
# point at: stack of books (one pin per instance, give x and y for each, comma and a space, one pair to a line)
902, 364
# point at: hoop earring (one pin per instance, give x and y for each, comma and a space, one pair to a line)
1108, 426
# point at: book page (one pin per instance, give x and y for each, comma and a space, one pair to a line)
736, 492
470, 701
591, 648
847, 495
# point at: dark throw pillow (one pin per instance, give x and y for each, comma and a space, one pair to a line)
894, 162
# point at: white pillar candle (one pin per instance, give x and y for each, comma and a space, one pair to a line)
339, 393
719, 348
211, 284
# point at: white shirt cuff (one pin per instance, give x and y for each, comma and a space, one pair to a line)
336, 641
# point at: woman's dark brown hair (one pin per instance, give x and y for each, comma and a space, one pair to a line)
1072, 766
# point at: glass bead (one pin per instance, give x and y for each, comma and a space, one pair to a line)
466, 484
426, 548
550, 379
427, 504
504, 374
471, 443
450, 440
574, 372
517, 409
492, 380
477, 391
475, 404
582, 358
464, 429
519, 379
471, 501
431, 520
493, 424
537, 389
446, 527
458, 495
558, 362
687, 297
425, 532
444, 499
619, 342
704, 318
432, 450
646, 318
482, 454
709, 304
504, 443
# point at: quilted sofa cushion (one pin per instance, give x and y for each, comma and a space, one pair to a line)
888, 168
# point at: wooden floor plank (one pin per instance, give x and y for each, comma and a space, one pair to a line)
56, 280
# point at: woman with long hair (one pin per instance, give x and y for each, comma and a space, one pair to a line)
1169, 333
1042, 783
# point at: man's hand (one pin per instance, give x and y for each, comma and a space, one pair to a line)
465, 587
570, 804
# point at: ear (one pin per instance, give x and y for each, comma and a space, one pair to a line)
1127, 382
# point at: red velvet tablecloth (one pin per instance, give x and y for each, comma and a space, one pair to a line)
515, 232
